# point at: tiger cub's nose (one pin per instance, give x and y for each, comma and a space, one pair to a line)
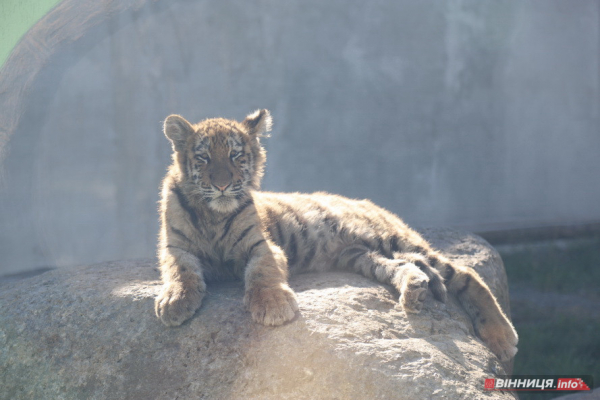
223, 187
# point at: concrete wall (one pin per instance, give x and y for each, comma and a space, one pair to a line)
454, 113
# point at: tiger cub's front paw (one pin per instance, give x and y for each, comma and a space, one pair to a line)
271, 305
177, 303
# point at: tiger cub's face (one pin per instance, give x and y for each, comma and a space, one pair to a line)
220, 160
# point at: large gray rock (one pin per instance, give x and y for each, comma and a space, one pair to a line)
90, 332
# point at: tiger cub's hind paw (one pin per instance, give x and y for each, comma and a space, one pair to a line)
500, 337
414, 291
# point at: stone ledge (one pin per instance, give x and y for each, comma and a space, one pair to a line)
90, 332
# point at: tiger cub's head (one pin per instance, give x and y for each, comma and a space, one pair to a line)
219, 160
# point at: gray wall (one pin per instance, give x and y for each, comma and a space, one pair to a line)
474, 113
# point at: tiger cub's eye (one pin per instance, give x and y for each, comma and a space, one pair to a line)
202, 157
235, 154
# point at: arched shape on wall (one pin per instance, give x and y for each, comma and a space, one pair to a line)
63, 26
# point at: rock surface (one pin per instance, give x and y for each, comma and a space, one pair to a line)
90, 332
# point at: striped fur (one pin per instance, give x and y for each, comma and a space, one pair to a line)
217, 225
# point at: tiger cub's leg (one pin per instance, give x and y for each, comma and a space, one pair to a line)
268, 297
410, 275
489, 321
183, 286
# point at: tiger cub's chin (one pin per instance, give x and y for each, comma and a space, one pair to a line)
224, 204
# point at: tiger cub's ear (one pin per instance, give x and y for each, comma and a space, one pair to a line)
177, 130
258, 123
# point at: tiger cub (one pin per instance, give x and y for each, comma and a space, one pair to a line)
217, 225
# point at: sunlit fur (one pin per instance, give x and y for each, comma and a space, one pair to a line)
216, 224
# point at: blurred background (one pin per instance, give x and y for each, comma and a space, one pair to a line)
478, 115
